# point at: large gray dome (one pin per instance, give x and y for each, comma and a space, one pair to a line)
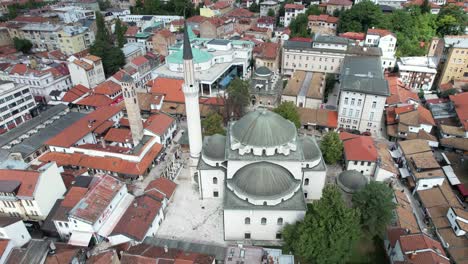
263, 128
264, 180
351, 181
214, 147
263, 71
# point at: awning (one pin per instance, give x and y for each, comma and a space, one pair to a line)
404, 172
453, 179
80, 239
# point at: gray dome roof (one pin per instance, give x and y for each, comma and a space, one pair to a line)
263, 128
214, 147
351, 181
262, 71
310, 148
264, 180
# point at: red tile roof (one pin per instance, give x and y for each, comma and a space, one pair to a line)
95, 100
323, 18
165, 186
196, 19
73, 196
340, 2
413, 242
86, 66
221, 5
301, 39
345, 136
28, 180
101, 129
294, 6
19, 68
140, 60
393, 234
106, 163
380, 32
399, 93
361, 148
108, 88
170, 256
84, 126
164, 33
171, 88
3, 245
121, 135
138, 218
266, 20
131, 31
332, 120
240, 12
30, 19
159, 123
267, 50
354, 35
461, 107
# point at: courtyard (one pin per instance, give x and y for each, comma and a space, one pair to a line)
191, 219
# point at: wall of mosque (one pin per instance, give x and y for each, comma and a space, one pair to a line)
211, 184
313, 184
294, 167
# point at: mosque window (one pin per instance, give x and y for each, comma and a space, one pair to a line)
306, 182
247, 221
215, 180
264, 221
280, 221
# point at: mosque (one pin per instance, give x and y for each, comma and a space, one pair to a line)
264, 172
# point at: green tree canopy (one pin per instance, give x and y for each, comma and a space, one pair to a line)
120, 30
360, 17
289, 111
313, 10
254, 7
104, 4
328, 233
23, 45
238, 98
451, 20
271, 12
375, 202
331, 147
298, 26
213, 124
157, 7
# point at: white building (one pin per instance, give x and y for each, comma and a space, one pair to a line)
13, 233
16, 103
458, 219
360, 153
71, 14
87, 71
291, 11
363, 92
386, 41
30, 194
417, 72
265, 6
144, 21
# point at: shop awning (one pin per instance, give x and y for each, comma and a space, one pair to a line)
80, 239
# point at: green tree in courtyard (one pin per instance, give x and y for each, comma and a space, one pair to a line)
451, 20
213, 124
375, 202
289, 111
238, 99
328, 233
22, 45
271, 12
298, 26
120, 33
332, 147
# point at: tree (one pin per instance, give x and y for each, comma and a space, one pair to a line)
298, 26
375, 202
104, 4
330, 81
313, 10
451, 20
254, 7
360, 17
238, 98
289, 111
213, 124
332, 147
22, 45
328, 233
120, 33
271, 12
425, 7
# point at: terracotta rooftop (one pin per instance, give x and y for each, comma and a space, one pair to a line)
361, 148
163, 185
404, 212
108, 88
323, 18
439, 196
3, 245
353, 35
131, 31
95, 100
73, 196
417, 117
267, 50
340, 2
120, 135
456, 143
98, 198
380, 32
158, 123
294, 6
138, 218
414, 146
171, 88
240, 12
158, 255
140, 60
86, 66
413, 242
321, 117
424, 160
461, 107
92, 58
196, 19
84, 126
27, 180
399, 93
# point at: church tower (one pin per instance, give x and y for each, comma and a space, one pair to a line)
133, 108
192, 107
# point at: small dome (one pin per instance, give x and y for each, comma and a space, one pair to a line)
310, 148
263, 71
214, 147
264, 180
263, 128
351, 181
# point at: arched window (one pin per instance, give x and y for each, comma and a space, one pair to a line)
263, 221
265, 203
280, 221
215, 180
247, 221
306, 182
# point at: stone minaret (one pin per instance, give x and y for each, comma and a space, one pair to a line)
192, 107
133, 109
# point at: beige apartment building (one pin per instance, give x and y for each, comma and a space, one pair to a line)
455, 56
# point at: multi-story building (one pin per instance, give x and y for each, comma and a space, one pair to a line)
455, 59
386, 41
417, 72
324, 54
43, 79
72, 14
216, 27
323, 24
360, 153
340, 5
13, 234
363, 92
87, 71
30, 194
266, 6
74, 39
267, 54
162, 40
291, 11
43, 36
16, 103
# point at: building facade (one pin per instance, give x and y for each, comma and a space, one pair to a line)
16, 103
87, 71
386, 41
417, 72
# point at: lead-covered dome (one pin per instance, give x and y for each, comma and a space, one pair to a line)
264, 130
263, 182
214, 147
351, 181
